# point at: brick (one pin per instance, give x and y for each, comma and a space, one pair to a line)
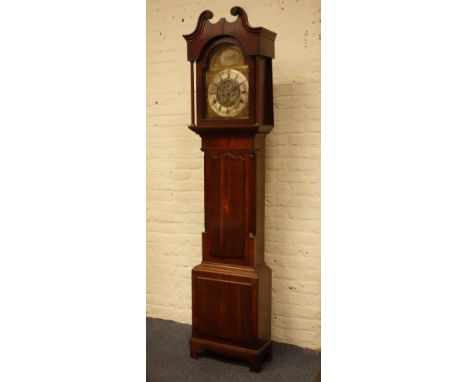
296, 175
295, 310
304, 165
306, 139
307, 225
303, 213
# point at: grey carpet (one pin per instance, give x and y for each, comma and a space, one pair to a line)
168, 360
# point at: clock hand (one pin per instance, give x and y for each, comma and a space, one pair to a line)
237, 86
234, 88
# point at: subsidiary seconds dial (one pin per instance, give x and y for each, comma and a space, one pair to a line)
228, 93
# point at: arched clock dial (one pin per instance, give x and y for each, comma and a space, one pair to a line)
228, 93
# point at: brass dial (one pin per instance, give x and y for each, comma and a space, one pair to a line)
228, 93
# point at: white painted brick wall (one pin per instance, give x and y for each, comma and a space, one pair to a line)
175, 163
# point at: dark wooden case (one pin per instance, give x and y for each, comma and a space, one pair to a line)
231, 288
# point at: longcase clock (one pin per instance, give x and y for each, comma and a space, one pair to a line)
232, 111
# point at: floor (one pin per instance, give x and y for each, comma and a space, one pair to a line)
168, 359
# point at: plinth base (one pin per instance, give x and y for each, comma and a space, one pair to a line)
254, 357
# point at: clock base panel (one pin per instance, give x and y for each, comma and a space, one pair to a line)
254, 357
231, 308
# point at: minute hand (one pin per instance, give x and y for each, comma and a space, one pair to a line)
235, 88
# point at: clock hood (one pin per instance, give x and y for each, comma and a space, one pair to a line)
256, 41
